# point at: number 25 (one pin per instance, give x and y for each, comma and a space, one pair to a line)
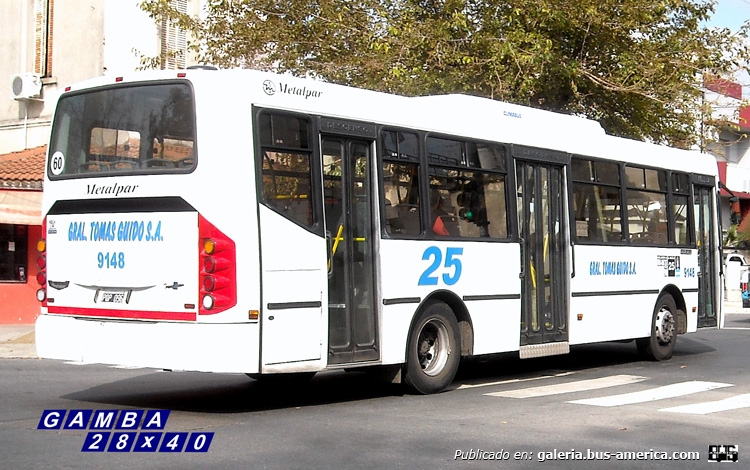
429, 278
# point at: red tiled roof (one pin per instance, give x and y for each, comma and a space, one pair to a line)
24, 168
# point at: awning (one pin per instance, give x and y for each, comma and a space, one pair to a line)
20, 207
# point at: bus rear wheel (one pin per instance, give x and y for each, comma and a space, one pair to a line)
660, 345
434, 351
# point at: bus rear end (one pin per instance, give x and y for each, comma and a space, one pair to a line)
132, 270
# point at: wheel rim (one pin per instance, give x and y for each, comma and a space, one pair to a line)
433, 347
664, 326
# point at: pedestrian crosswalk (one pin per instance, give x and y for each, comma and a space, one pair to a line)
658, 393
569, 387
731, 403
561, 385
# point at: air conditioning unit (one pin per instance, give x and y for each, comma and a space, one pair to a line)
24, 86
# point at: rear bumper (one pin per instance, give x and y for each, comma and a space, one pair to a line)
205, 347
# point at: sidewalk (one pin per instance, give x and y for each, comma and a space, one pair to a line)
17, 341
734, 307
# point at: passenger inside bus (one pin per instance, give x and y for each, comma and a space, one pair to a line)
443, 223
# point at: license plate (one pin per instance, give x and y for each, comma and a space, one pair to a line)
113, 297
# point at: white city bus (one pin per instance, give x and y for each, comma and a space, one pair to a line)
245, 222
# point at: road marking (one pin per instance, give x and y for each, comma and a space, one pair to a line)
511, 381
659, 393
569, 387
731, 403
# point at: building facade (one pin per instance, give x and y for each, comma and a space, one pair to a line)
729, 143
21, 175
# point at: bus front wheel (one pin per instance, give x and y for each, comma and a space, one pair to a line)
660, 345
434, 349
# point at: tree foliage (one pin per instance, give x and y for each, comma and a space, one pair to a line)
633, 65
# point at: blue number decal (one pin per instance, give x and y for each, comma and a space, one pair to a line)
451, 260
115, 259
427, 279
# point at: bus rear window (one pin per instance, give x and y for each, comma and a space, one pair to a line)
145, 128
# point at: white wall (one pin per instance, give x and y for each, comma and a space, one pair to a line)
76, 55
89, 38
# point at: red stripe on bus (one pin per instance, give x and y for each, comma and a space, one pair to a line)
131, 314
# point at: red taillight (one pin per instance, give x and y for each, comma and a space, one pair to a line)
209, 264
41, 263
215, 265
208, 283
218, 269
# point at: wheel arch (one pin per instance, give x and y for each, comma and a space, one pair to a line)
465, 325
679, 300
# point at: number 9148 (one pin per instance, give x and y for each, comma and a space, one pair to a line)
114, 259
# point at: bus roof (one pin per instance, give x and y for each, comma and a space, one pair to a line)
450, 114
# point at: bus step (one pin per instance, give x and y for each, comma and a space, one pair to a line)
546, 349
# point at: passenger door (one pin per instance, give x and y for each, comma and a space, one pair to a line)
707, 255
544, 241
352, 312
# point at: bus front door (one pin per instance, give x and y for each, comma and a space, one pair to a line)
542, 228
707, 256
352, 314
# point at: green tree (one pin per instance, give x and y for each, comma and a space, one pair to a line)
633, 65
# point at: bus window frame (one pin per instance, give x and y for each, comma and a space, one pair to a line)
381, 159
98, 124
423, 162
317, 226
511, 230
623, 240
627, 188
689, 193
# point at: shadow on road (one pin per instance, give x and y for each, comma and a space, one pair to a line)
234, 393
237, 393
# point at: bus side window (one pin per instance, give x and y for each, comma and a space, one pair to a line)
647, 205
286, 166
399, 151
596, 201
401, 188
286, 185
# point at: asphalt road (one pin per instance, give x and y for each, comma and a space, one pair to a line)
601, 403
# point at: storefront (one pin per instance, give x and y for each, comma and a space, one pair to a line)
21, 178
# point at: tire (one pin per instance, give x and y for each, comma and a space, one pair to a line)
434, 349
660, 345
